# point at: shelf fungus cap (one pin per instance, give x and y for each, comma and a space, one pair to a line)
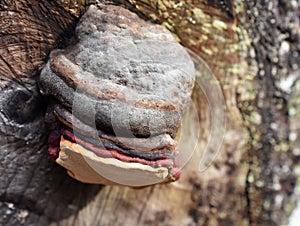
126, 82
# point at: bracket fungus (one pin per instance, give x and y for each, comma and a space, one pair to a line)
120, 90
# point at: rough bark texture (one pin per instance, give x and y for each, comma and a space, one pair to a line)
275, 58
254, 50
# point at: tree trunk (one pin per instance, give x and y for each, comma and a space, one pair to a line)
252, 47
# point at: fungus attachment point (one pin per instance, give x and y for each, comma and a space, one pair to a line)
121, 92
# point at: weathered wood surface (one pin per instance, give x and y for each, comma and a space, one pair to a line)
253, 48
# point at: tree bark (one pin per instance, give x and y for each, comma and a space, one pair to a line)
253, 48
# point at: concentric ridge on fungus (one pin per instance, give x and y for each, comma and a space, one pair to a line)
136, 79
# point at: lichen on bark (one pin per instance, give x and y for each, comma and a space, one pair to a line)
271, 177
